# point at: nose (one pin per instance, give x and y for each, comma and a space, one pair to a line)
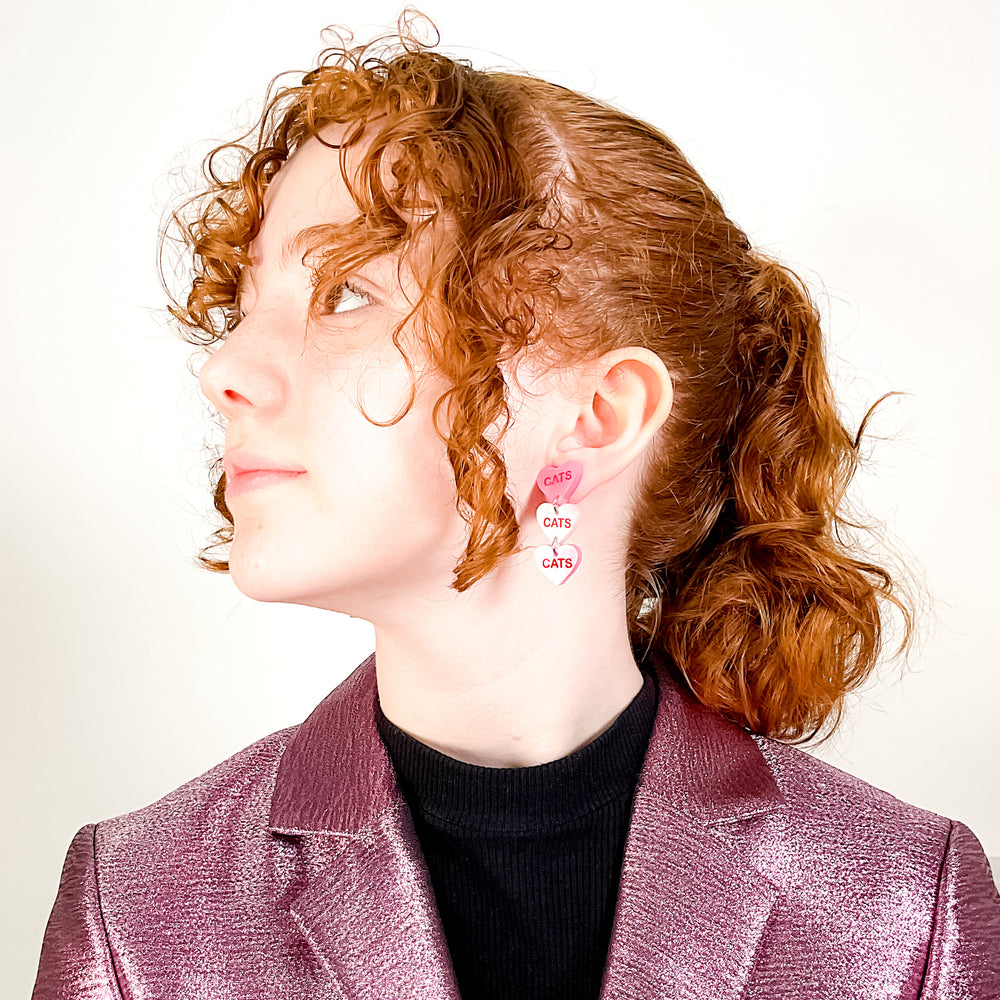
242, 377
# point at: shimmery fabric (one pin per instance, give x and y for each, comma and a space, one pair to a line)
752, 870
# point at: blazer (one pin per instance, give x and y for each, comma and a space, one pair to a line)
751, 870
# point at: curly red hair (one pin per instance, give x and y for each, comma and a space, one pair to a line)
564, 225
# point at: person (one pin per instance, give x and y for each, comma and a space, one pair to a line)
500, 376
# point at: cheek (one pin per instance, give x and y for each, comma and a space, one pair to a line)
524, 450
359, 442
383, 392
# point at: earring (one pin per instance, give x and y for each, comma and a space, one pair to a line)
557, 518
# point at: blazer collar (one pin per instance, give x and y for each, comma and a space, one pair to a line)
703, 765
692, 902
335, 775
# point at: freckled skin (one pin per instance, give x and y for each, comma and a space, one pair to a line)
375, 509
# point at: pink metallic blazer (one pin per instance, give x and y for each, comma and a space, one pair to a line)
752, 870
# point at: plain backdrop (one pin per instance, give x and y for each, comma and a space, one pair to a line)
855, 139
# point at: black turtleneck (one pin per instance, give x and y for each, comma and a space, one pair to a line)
525, 861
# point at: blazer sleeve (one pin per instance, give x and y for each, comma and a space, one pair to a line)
76, 962
963, 962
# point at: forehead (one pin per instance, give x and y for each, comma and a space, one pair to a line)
309, 190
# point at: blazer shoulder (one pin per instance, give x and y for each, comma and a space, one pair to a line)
813, 785
190, 866
897, 871
233, 794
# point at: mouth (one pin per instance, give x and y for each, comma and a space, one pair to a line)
246, 472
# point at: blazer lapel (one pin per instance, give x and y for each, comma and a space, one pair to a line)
371, 919
692, 907
692, 904
689, 920
367, 909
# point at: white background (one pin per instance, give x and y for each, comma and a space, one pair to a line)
855, 139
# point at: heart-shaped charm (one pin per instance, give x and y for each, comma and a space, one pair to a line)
559, 563
558, 482
557, 524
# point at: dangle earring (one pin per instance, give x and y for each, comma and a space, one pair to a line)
557, 518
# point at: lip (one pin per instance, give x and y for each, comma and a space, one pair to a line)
245, 472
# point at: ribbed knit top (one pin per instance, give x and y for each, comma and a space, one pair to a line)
525, 862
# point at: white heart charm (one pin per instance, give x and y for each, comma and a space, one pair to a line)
559, 563
557, 525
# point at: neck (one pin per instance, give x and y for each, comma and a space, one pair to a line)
506, 674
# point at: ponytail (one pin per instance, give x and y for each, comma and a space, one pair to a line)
768, 618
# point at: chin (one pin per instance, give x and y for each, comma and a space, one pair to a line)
258, 586
284, 582
262, 579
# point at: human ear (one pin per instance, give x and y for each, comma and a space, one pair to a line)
627, 396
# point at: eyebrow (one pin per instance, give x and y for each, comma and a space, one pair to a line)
292, 253
246, 276
289, 254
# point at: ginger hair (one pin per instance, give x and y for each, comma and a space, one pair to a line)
562, 225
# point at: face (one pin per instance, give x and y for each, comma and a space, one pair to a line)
330, 510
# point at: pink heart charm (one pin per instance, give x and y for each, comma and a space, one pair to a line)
558, 482
559, 524
558, 564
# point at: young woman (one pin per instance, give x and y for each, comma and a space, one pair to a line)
501, 377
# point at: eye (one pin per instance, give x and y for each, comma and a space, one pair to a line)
347, 298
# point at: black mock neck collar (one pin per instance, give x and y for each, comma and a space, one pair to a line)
524, 799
